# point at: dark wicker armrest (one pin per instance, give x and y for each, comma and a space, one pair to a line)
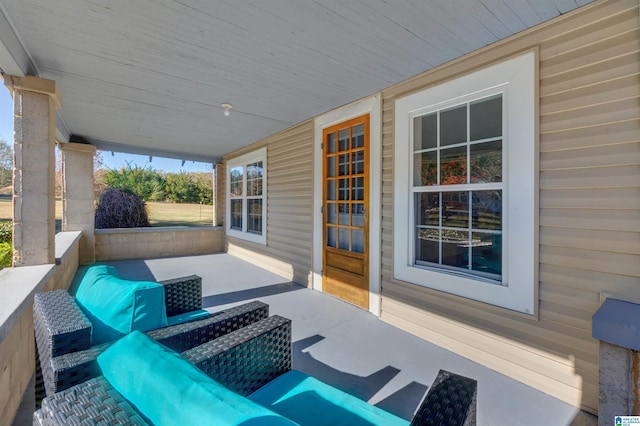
71, 369
181, 337
182, 294
451, 400
248, 358
74, 368
60, 328
92, 402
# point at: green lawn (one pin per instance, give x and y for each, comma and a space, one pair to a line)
160, 214
171, 214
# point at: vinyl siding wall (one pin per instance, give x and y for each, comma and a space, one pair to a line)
589, 206
289, 205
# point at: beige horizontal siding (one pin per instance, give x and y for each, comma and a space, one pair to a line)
589, 239
598, 219
586, 198
599, 51
593, 94
616, 154
595, 73
589, 204
289, 206
595, 281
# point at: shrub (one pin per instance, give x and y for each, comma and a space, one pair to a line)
6, 231
6, 255
121, 208
181, 188
145, 182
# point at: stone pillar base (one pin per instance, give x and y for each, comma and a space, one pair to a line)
619, 383
616, 325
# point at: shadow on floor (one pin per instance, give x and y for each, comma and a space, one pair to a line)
402, 403
249, 294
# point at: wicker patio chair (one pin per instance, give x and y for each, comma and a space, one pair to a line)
64, 352
243, 359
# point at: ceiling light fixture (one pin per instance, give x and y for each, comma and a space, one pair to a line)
226, 107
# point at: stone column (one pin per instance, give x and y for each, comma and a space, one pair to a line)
35, 102
617, 326
78, 205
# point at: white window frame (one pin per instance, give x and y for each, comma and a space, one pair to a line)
243, 161
516, 79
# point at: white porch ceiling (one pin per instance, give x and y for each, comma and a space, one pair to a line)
149, 76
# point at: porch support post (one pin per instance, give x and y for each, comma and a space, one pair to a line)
35, 101
78, 207
617, 326
218, 193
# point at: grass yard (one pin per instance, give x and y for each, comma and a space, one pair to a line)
171, 214
160, 214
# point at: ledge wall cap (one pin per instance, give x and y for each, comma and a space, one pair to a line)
17, 286
618, 322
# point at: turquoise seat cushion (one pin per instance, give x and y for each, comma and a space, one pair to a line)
308, 401
116, 306
169, 390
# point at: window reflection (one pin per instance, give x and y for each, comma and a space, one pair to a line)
460, 228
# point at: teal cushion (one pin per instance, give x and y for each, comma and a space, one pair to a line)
188, 316
309, 401
116, 307
168, 390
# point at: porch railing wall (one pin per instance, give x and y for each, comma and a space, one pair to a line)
17, 349
144, 243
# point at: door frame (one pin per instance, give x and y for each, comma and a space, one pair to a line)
372, 106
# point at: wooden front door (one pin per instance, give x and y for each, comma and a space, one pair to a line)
346, 211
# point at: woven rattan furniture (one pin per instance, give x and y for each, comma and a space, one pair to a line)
451, 400
244, 359
65, 355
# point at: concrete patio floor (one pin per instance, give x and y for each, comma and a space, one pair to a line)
353, 350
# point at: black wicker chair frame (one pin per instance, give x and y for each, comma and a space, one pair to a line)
65, 356
451, 401
243, 359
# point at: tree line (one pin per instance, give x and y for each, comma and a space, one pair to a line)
147, 183
153, 185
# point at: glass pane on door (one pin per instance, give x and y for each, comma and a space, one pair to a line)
345, 191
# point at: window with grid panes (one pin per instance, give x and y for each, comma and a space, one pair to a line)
246, 195
457, 187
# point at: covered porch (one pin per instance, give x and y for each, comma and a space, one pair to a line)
242, 86
348, 347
